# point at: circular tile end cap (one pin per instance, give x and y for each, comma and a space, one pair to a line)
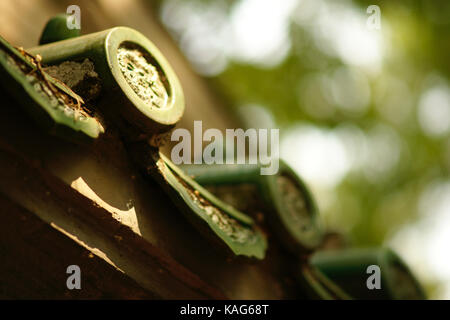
149, 115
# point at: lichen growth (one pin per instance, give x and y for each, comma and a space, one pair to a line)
142, 76
78, 76
231, 227
56, 102
245, 197
295, 203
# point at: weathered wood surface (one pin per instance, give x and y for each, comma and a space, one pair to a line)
35, 257
94, 196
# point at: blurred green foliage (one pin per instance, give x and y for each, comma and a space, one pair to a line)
416, 34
